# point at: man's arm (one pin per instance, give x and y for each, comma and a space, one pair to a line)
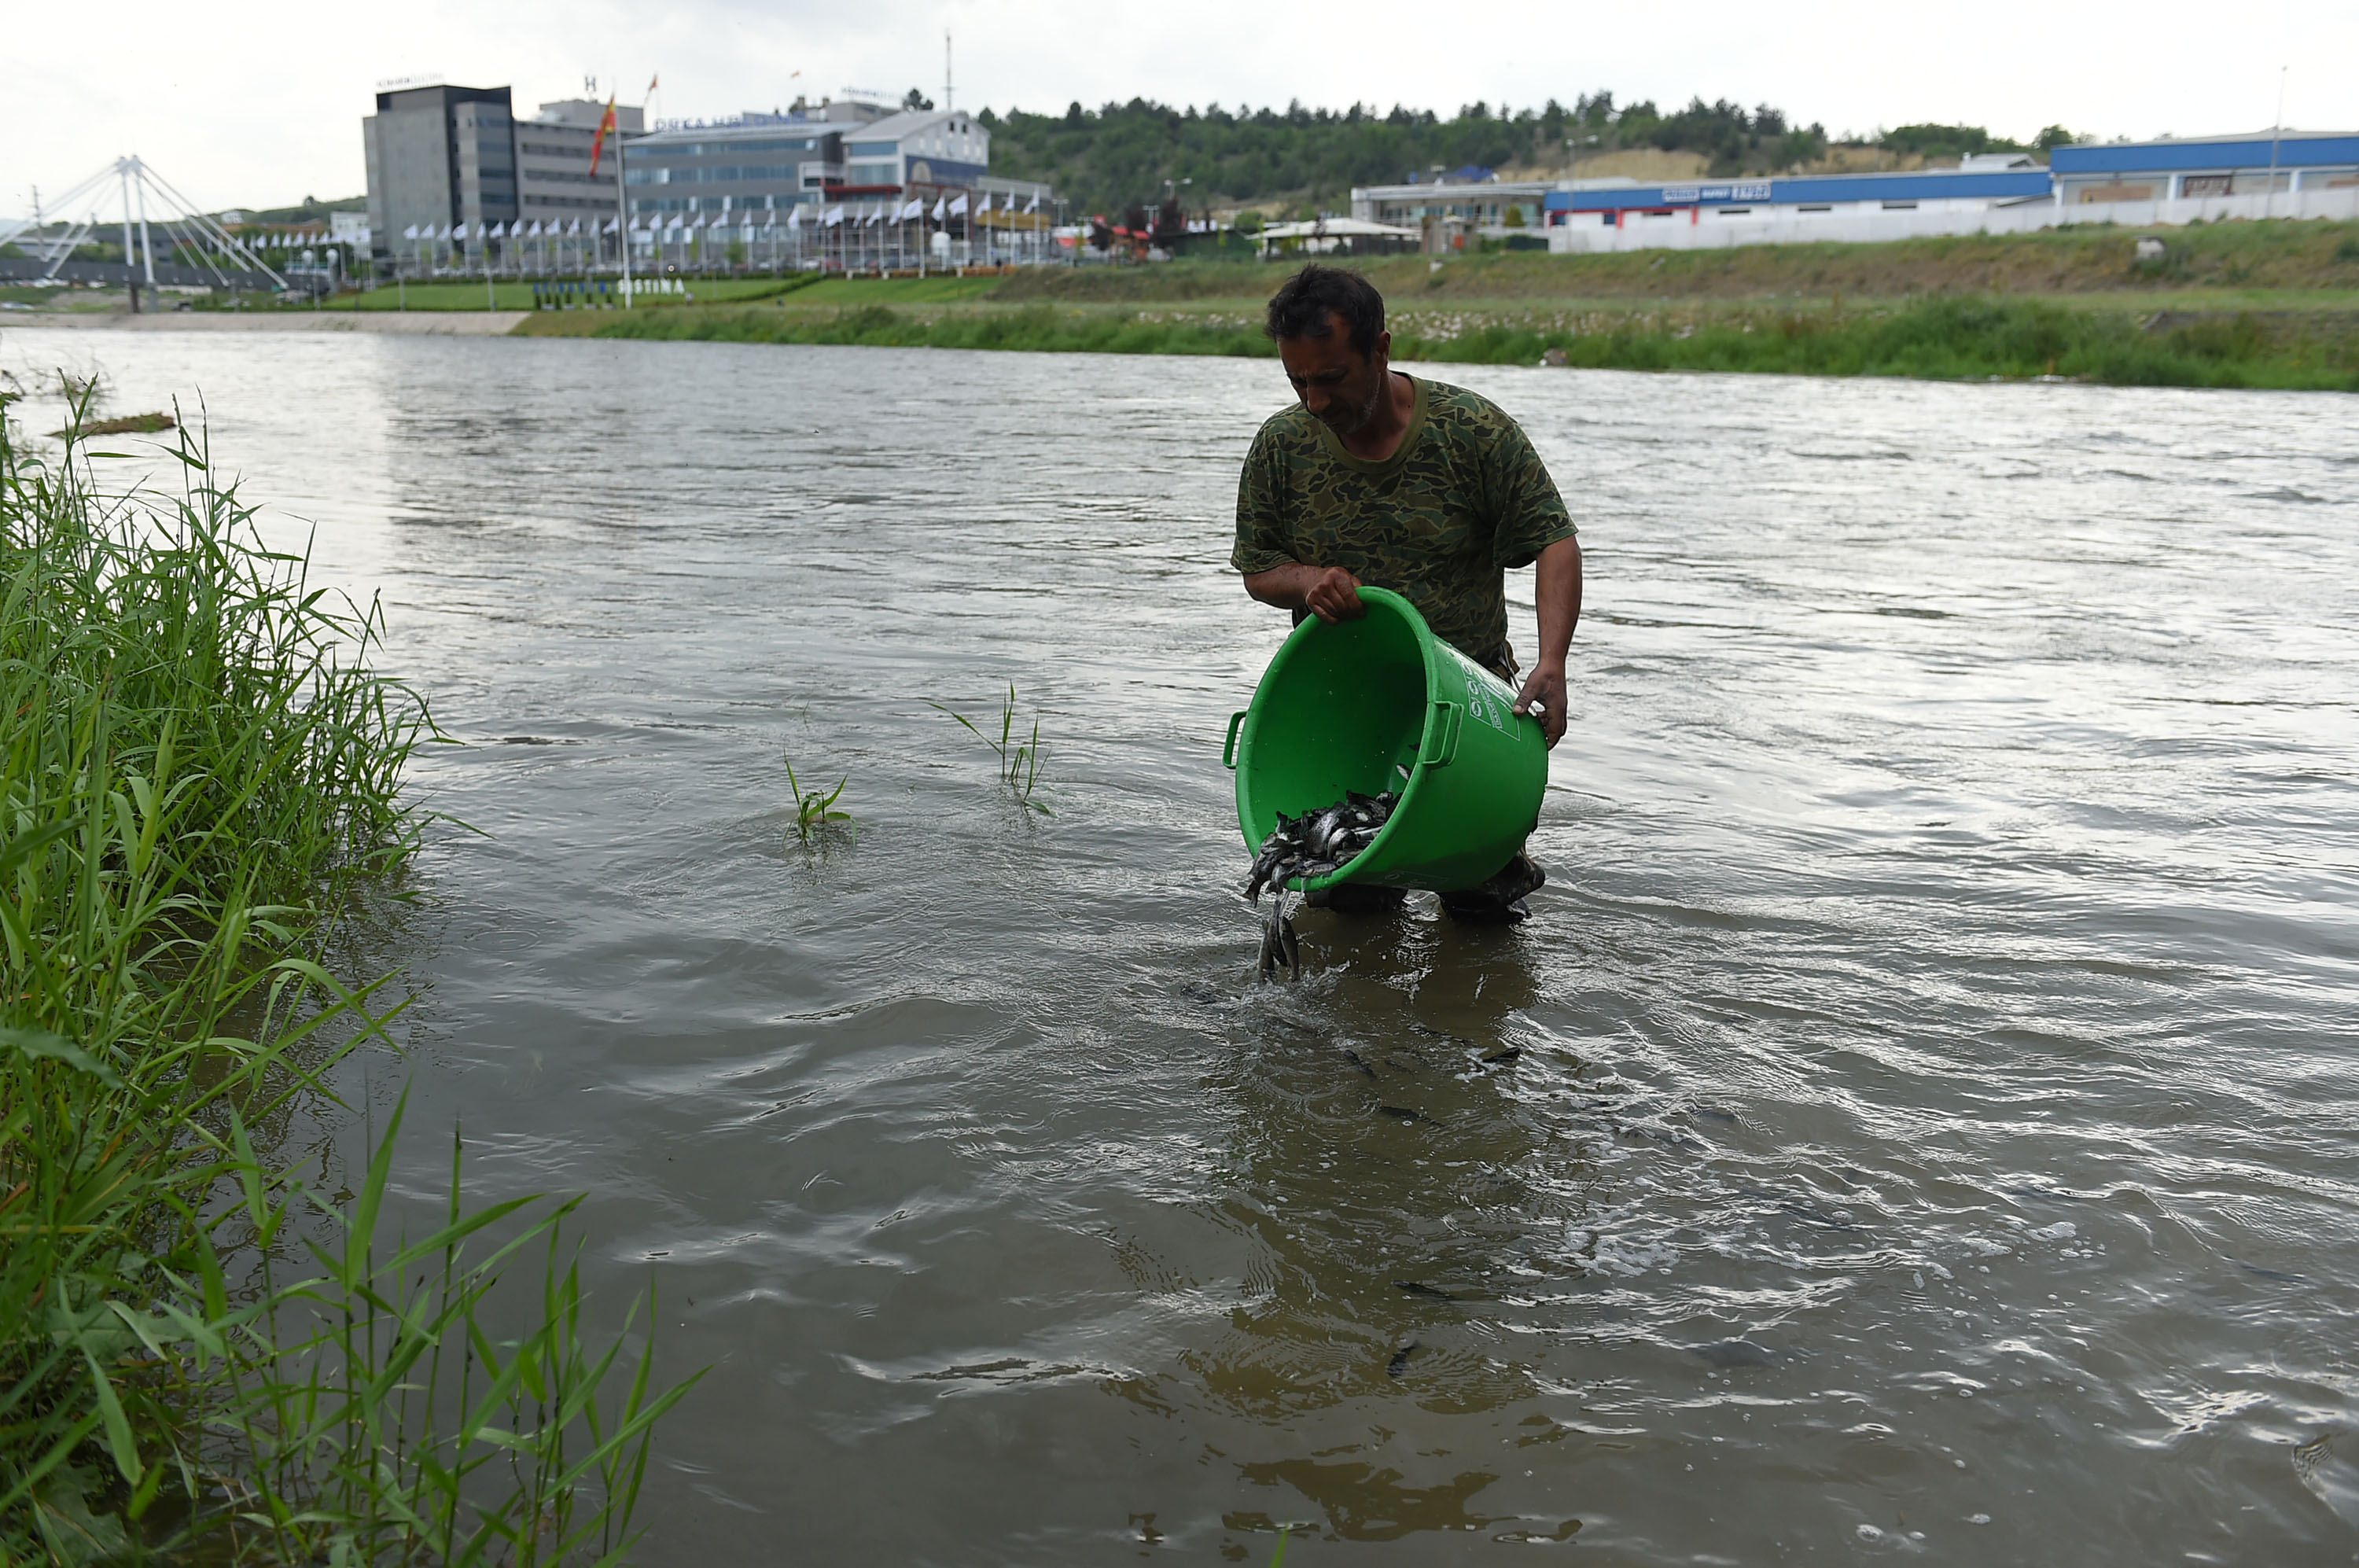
1557, 585
1329, 593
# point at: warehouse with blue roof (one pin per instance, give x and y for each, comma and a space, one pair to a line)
2168, 180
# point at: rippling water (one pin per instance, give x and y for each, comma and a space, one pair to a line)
1931, 1128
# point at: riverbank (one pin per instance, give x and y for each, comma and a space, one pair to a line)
1968, 338
2272, 305
204, 1337
424, 323
2256, 305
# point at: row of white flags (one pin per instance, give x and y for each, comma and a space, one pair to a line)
876, 212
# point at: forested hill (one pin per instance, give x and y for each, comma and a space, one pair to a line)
1296, 159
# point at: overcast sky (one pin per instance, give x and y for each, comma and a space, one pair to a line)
237, 110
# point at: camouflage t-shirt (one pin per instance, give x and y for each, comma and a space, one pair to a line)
1461, 500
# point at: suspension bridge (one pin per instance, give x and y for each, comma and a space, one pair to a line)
198, 251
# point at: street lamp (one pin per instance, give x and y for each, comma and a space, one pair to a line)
1172, 188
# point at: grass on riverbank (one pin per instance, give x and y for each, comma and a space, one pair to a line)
2309, 256
1939, 339
198, 1343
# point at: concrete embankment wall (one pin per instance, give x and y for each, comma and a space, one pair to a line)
1705, 229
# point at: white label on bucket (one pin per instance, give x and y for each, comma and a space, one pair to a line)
1486, 699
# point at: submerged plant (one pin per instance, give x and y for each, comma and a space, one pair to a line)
1019, 760
812, 806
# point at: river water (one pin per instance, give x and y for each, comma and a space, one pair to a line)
1932, 1129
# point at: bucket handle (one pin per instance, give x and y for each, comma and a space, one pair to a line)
1229, 747
1440, 748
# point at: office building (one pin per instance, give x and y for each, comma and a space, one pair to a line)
553, 179
440, 157
841, 149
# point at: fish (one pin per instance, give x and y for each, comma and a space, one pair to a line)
1319, 842
1299, 848
1399, 1363
1419, 1288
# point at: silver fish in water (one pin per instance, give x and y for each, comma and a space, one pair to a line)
1315, 843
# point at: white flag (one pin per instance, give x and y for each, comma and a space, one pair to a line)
410, 233
958, 207
914, 210
1034, 205
460, 231
938, 209
835, 215
795, 216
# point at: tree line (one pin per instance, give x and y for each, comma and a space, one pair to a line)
1116, 157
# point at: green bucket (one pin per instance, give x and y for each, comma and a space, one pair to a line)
1345, 706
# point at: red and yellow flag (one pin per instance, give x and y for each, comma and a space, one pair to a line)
605, 129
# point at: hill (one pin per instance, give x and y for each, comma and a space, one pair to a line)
1297, 162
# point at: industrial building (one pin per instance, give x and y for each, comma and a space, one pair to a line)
441, 157
2172, 180
2181, 168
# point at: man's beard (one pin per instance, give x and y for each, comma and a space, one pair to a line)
1346, 421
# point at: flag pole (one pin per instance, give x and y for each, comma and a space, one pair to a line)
622, 219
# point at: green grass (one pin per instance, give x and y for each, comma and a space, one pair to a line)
198, 777
512, 294
1019, 759
935, 290
1963, 338
813, 810
1943, 339
1038, 328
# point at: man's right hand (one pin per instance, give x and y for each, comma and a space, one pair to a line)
1334, 595
1329, 593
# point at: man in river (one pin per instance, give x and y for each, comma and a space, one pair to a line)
1378, 479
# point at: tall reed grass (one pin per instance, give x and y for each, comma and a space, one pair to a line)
201, 1348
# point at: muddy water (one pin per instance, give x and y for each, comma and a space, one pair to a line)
1929, 1125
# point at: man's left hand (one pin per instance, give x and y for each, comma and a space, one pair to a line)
1545, 685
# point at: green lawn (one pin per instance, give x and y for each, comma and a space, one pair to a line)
509, 294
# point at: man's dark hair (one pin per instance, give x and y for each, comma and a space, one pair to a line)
1304, 303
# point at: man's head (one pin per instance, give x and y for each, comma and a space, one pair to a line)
1329, 325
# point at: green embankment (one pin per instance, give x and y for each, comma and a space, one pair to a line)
2262, 305
1960, 338
508, 294
209, 1352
